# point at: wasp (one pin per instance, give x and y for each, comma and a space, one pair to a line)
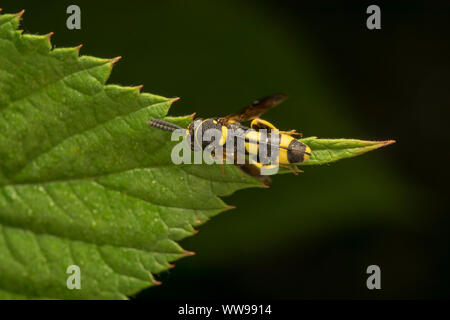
290, 150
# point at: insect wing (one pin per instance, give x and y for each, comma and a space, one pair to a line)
256, 109
255, 172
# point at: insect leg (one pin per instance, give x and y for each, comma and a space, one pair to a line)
224, 157
292, 133
294, 169
259, 123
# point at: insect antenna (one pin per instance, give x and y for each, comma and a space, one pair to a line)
164, 125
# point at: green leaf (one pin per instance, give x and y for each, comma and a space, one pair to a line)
331, 150
84, 181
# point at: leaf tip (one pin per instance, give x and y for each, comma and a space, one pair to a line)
189, 253
114, 60
78, 48
192, 115
50, 34
1, 9
388, 142
171, 266
230, 208
196, 231
157, 283
172, 100
20, 14
380, 144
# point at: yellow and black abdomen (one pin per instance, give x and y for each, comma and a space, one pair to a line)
290, 150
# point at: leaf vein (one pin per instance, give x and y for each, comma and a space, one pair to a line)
48, 85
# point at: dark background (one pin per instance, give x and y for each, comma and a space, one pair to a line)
309, 236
